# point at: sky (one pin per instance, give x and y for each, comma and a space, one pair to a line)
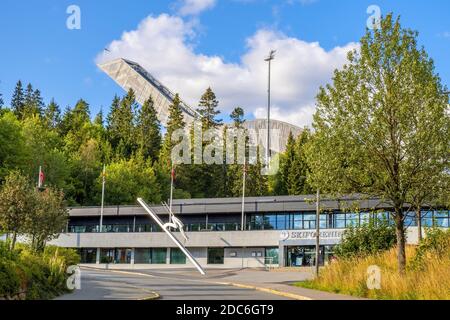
190, 45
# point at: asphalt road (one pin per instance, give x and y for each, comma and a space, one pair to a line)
109, 285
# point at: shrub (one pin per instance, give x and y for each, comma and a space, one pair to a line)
39, 275
436, 243
373, 237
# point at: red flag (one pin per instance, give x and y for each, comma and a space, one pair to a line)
173, 173
41, 178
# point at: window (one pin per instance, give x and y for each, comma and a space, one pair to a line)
298, 221
441, 219
158, 256
271, 256
142, 256
216, 255
88, 255
410, 220
352, 220
339, 220
364, 218
106, 255
309, 221
427, 218
282, 221
270, 221
177, 256
123, 256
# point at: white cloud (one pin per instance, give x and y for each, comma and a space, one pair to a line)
164, 46
194, 7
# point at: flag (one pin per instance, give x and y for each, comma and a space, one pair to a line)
41, 178
172, 174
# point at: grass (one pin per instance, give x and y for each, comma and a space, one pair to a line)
428, 280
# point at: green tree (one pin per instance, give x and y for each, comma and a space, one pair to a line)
47, 219
237, 115
52, 115
127, 180
174, 122
1, 101
12, 144
381, 123
121, 125
18, 100
15, 205
208, 109
33, 103
149, 131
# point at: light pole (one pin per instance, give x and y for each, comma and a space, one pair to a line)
269, 60
317, 232
103, 197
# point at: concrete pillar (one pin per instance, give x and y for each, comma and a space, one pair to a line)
132, 256
281, 258
97, 258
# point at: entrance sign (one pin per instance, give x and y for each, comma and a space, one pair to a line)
309, 235
166, 228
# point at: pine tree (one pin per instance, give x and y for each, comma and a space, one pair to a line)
148, 131
208, 110
1, 101
52, 115
99, 118
33, 103
237, 115
18, 100
174, 122
121, 125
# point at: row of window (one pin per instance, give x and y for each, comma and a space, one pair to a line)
145, 255
282, 221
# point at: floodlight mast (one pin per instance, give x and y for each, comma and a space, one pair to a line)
171, 236
269, 60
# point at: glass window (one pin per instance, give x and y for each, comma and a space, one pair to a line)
324, 221
216, 255
106, 255
352, 220
410, 219
270, 221
339, 220
282, 221
177, 256
298, 221
158, 256
309, 221
123, 256
441, 219
427, 218
88, 255
271, 256
142, 256
365, 218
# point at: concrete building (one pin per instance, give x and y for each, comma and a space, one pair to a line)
130, 75
279, 231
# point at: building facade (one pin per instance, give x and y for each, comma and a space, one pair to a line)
277, 231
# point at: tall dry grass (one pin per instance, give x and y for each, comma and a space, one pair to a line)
430, 281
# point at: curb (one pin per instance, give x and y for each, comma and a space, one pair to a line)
154, 296
268, 290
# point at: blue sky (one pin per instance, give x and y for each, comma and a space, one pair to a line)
227, 37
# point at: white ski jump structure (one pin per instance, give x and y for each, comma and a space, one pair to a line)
176, 224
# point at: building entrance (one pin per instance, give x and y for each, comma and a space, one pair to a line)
304, 256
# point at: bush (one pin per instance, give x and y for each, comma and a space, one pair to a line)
373, 237
38, 275
436, 243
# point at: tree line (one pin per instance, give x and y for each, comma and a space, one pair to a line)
72, 147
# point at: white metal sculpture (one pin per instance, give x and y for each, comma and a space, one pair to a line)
166, 228
174, 222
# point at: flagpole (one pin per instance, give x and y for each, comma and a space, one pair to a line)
39, 177
243, 194
103, 197
171, 193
